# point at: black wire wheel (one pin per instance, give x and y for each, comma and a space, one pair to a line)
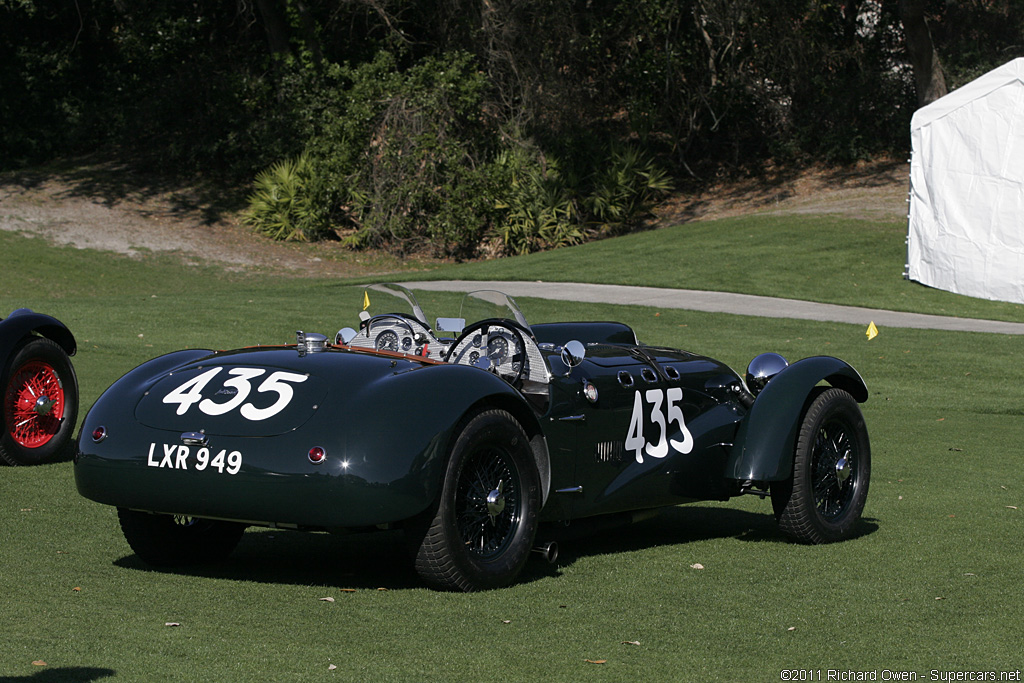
483, 527
823, 500
175, 540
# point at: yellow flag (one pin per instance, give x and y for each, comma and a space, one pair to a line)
872, 331
366, 300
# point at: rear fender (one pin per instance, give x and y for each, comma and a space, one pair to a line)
409, 420
764, 444
23, 322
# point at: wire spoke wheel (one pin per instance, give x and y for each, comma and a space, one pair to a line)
34, 404
487, 503
832, 465
480, 533
823, 499
39, 403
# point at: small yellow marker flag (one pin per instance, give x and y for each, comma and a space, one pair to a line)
366, 300
872, 331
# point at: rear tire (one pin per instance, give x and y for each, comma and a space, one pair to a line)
40, 404
823, 500
482, 530
175, 540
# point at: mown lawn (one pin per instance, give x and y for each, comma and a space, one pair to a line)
932, 582
831, 259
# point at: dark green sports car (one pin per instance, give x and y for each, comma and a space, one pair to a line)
471, 435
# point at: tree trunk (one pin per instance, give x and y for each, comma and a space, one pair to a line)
276, 28
929, 78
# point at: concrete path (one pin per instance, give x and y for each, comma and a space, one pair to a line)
723, 302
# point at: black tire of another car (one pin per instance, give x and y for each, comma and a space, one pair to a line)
175, 540
483, 527
823, 500
34, 433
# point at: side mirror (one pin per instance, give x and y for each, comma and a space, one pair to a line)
573, 353
345, 335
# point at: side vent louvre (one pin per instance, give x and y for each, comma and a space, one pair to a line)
609, 451
625, 379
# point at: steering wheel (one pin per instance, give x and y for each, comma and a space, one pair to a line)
499, 340
388, 339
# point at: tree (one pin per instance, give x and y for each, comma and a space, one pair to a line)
929, 76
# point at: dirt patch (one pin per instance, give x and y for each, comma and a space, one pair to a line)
873, 191
109, 206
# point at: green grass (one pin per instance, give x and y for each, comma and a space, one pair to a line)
829, 259
933, 582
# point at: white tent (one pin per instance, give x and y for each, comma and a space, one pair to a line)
966, 223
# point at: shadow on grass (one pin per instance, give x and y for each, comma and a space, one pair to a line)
368, 561
61, 674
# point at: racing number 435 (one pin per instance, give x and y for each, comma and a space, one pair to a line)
190, 393
664, 410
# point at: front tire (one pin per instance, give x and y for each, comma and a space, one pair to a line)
40, 403
175, 540
483, 527
823, 500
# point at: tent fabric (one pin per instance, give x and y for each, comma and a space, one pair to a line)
966, 223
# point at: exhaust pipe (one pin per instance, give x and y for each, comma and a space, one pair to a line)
549, 551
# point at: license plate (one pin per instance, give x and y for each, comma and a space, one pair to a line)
197, 458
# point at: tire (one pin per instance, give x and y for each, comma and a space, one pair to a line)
40, 404
176, 540
482, 529
823, 500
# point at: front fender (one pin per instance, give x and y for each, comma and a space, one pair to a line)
764, 444
23, 322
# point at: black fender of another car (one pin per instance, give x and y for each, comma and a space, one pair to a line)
764, 443
24, 322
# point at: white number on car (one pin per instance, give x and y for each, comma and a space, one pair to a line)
180, 457
238, 386
661, 418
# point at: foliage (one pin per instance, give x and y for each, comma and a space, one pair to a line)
539, 209
544, 207
403, 154
625, 189
404, 108
282, 206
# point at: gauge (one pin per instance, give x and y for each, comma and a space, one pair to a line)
406, 343
387, 341
497, 349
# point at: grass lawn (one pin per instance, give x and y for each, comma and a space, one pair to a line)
830, 259
932, 583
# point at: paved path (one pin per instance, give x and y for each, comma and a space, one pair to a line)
723, 302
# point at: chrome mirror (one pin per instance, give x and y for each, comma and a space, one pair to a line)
762, 369
573, 353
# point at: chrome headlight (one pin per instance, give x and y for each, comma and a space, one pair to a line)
762, 369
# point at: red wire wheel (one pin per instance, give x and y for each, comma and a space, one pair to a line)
34, 404
40, 403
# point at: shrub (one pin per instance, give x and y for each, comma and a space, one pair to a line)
625, 189
282, 207
538, 207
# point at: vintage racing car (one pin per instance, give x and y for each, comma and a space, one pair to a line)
40, 390
470, 435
